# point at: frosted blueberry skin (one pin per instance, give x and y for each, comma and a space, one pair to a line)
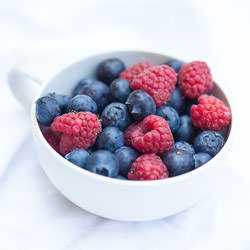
126, 156
209, 142
79, 87
174, 64
186, 129
116, 114
103, 162
170, 115
119, 90
62, 100
47, 108
177, 100
111, 138
78, 157
182, 145
82, 103
140, 104
99, 92
178, 162
200, 159
109, 70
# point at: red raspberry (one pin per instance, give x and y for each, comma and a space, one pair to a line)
82, 128
152, 135
210, 114
52, 137
148, 167
195, 79
134, 70
158, 81
71, 142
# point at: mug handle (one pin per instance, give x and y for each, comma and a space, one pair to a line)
26, 77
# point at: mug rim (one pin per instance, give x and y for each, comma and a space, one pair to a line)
36, 131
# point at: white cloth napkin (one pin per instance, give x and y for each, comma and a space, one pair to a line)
33, 214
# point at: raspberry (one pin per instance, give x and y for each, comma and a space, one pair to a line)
52, 137
158, 81
134, 70
70, 142
83, 124
210, 114
195, 79
152, 135
80, 130
148, 167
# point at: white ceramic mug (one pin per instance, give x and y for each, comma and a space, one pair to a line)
108, 197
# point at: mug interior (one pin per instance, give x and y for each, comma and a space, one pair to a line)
65, 81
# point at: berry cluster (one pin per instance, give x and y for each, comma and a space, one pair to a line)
144, 122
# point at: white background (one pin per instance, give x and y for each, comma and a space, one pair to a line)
33, 215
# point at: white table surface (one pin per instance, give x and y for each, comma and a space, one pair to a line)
33, 214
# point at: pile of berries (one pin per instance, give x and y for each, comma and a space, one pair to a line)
145, 122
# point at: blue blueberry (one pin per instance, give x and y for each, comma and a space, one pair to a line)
170, 115
177, 101
78, 157
109, 70
140, 104
189, 103
119, 90
78, 88
174, 64
126, 156
186, 130
209, 142
116, 114
111, 138
62, 100
98, 91
82, 103
47, 108
103, 162
185, 146
121, 177
200, 159
178, 161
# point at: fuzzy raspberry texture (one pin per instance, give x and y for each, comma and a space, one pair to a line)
148, 167
210, 114
195, 79
80, 130
52, 137
135, 69
158, 81
152, 135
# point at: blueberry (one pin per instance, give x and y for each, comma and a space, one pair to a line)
78, 88
209, 142
82, 103
189, 103
126, 156
121, 177
174, 64
98, 91
140, 104
185, 146
170, 115
47, 108
110, 69
200, 159
178, 161
111, 138
186, 130
62, 100
103, 162
119, 90
177, 100
78, 157
116, 114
